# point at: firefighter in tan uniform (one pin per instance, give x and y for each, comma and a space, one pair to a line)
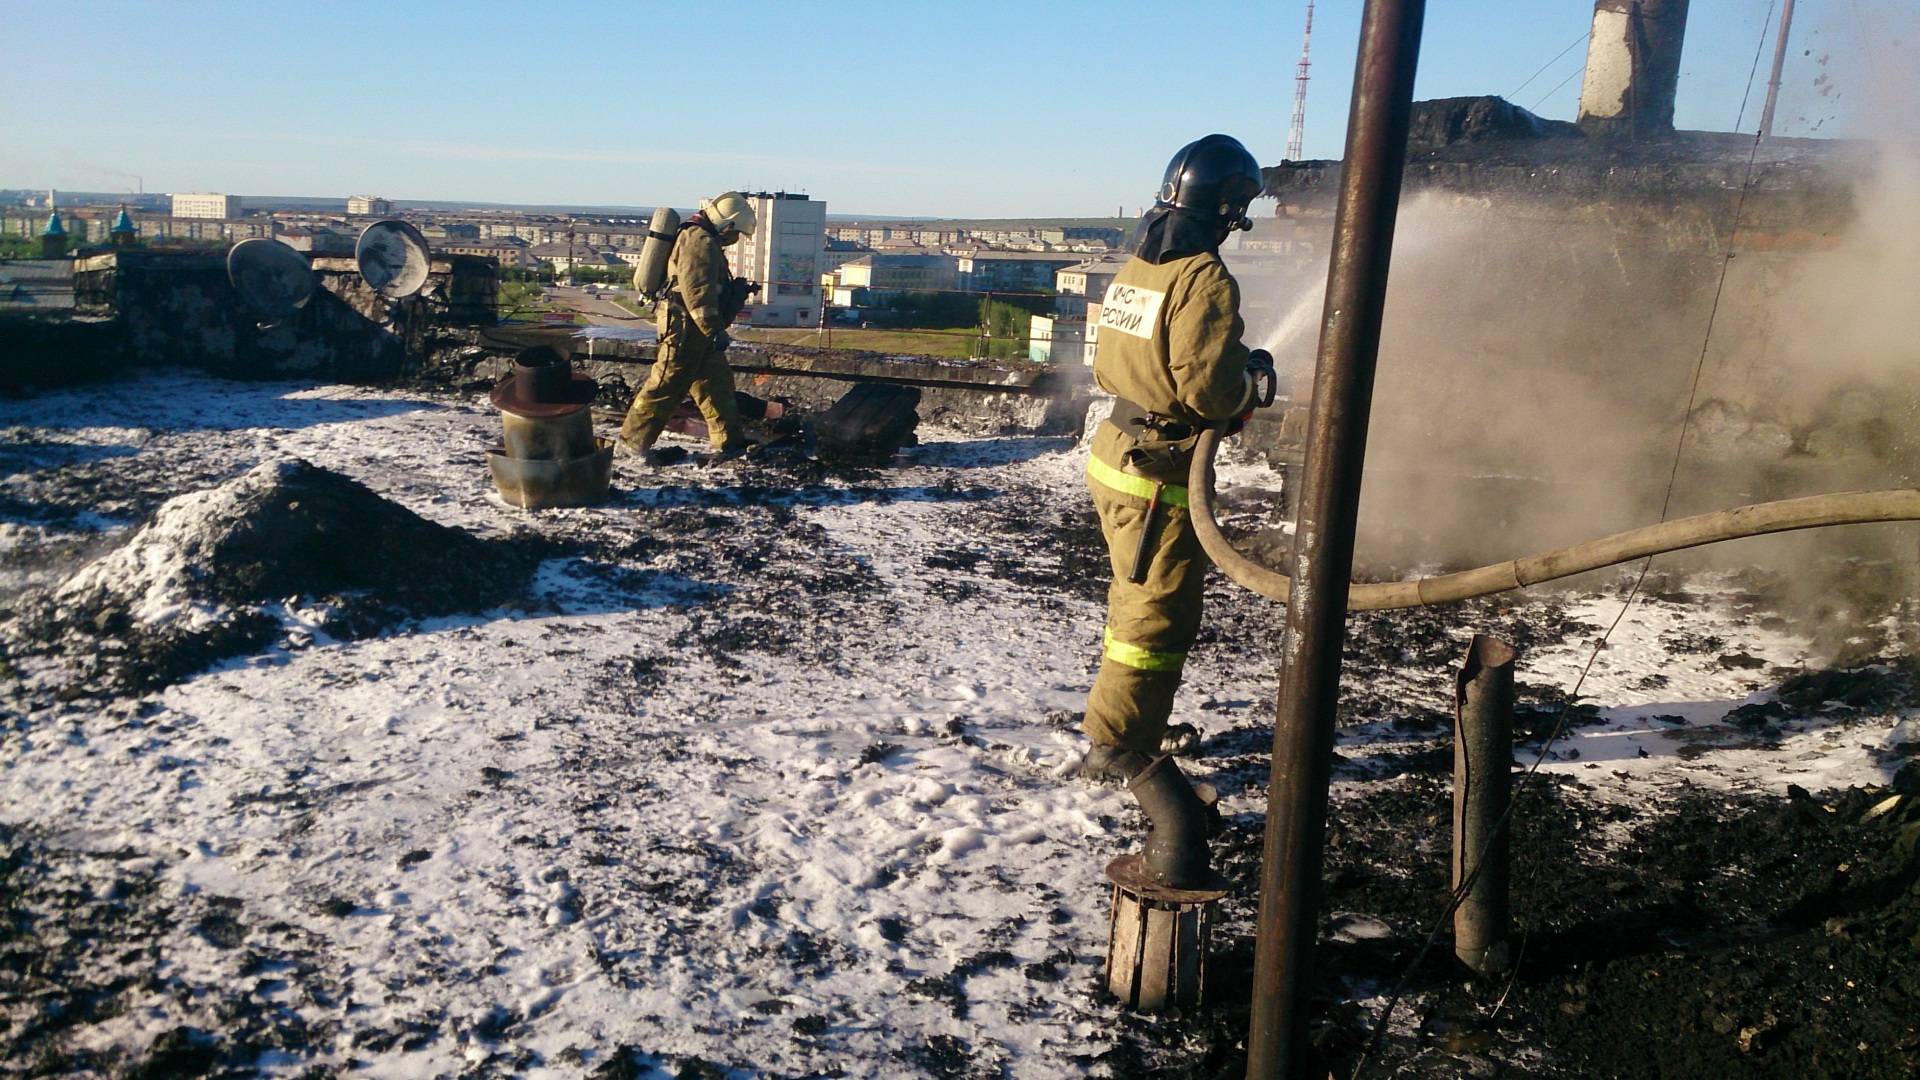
701, 300
1170, 351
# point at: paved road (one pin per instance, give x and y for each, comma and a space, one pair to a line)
598, 311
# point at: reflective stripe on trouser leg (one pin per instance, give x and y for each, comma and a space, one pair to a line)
1134, 656
1150, 626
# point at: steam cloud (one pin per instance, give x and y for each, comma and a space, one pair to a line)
1538, 359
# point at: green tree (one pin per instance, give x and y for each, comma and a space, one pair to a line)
1004, 329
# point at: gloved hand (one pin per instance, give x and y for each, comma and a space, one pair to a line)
1260, 371
733, 298
1266, 380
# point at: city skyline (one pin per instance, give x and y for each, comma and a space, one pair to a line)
987, 110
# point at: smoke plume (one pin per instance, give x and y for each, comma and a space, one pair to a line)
1548, 375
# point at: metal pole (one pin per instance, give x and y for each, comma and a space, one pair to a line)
1779, 62
1323, 549
1482, 787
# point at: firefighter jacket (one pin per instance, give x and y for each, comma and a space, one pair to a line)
1169, 345
698, 283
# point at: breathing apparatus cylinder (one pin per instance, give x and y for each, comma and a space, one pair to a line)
650, 276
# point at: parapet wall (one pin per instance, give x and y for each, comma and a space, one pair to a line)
973, 397
147, 308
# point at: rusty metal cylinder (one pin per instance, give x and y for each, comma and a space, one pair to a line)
548, 438
546, 483
1311, 647
1158, 940
1482, 792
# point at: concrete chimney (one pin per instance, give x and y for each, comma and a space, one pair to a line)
1633, 66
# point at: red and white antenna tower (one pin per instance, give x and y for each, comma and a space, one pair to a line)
1298, 132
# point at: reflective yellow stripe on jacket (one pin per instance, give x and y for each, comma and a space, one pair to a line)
1144, 659
1138, 486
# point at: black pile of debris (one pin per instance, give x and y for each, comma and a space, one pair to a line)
200, 581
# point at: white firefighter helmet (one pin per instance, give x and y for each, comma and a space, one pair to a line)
730, 210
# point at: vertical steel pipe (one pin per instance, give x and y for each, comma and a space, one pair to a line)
1482, 788
1779, 65
1323, 545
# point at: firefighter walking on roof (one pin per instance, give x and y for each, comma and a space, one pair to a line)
1171, 353
699, 302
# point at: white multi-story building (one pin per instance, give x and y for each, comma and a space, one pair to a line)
213, 206
1056, 340
1077, 283
369, 205
784, 255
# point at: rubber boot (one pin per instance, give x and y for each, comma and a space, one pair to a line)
1176, 854
1108, 764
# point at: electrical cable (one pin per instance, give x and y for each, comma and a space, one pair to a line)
1555, 90
1584, 35
1761, 48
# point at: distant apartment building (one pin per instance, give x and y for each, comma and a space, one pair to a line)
1056, 341
611, 237
564, 257
214, 206
317, 239
1011, 271
511, 253
875, 276
450, 230
1082, 280
532, 230
784, 255
92, 226
1071, 236
369, 205
901, 235
838, 253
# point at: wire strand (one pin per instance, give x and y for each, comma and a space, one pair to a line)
1758, 50
1555, 90
1584, 35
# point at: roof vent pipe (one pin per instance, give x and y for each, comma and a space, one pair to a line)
1633, 68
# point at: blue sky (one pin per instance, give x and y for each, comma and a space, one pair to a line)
986, 108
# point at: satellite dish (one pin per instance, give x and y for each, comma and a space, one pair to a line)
271, 277
393, 258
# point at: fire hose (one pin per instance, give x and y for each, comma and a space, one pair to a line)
1757, 519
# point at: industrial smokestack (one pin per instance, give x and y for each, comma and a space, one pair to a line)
1633, 66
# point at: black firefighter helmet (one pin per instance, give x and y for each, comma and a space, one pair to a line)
1213, 178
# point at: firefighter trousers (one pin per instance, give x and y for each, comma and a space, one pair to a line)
1150, 626
680, 368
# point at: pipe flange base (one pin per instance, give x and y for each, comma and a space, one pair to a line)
1130, 873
